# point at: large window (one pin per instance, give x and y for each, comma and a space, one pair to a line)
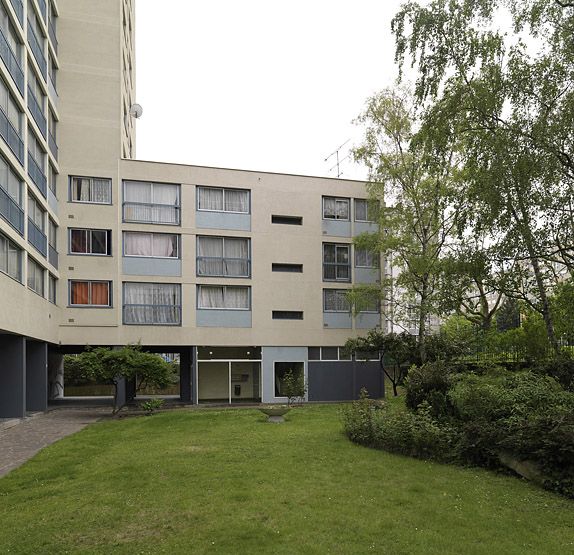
217, 199
91, 241
282, 369
90, 293
336, 262
335, 300
52, 286
364, 210
11, 197
223, 256
152, 304
335, 208
222, 296
35, 277
156, 245
366, 259
151, 203
10, 259
93, 190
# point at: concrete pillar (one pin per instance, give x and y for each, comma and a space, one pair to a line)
186, 374
12, 376
55, 375
36, 375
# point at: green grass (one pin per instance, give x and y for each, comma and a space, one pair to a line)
209, 481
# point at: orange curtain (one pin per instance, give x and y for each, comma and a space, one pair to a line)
80, 292
100, 294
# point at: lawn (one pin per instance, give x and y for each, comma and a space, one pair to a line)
226, 481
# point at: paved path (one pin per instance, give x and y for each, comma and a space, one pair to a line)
22, 441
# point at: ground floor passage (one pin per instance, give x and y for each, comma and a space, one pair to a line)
32, 373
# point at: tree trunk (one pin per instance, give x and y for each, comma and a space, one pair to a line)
422, 322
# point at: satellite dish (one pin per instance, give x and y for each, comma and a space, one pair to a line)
136, 111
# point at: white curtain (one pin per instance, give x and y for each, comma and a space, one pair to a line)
210, 256
236, 297
160, 303
329, 207
236, 200
210, 198
336, 301
361, 210
137, 192
102, 191
137, 244
236, 257
342, 209
210, 297
165, 194
164, 245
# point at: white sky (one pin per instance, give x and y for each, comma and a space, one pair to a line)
267, 85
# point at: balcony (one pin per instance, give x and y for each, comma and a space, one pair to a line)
52, 92
37, 175
146, 213
11, 62
11, 212
223, 267
11, 137
53, 145
37, 50
18, 6
53, 256
52, 34
37, 238
43, 12
37, 112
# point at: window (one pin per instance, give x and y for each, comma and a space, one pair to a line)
10, 35
284, 267
52, 281
336, 262
281, 371
368, 305
91, 190
335, 300
223, 256
36, 151
328, 353
287, 315
335, 208
52, 178
91, 241
156, 245
10, 259
90, 293
36, 213
152, 203
11, 197
222, 296
287, 220
52, 233
364, 210
36, 99
366, 259
223, 200
35, 277
11, 111
152, 304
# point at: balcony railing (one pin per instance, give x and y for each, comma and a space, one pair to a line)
11, 212
42, 6
37, 175
11, 137
223, 267
147, 213
18, 6
53, 145
52, 33
52, 92
152, 315
37, 238
11, 62
37, 112
37, 50
53, 256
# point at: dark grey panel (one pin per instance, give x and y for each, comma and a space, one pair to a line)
36, 376
12, 376
342, 381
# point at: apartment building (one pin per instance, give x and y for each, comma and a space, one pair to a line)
243, 273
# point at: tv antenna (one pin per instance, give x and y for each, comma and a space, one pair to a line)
136, 111
339, 161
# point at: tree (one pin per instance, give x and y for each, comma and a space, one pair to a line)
107, 365
416, 226
508, 315
294, 386
510, 113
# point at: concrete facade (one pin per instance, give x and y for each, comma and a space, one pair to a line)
123, 263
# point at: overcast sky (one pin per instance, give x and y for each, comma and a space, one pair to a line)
267, 85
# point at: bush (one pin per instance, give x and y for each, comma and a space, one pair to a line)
360, 419
560, 368
430, 383
151, 405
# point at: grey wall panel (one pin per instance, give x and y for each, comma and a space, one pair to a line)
271, 355
36, 376
367, 321
336, 228
146, 266
222, 220
337, 320
223, 318
52, 201
367, 275
364, 227
342, 381
12, 376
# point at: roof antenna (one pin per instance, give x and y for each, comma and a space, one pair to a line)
338, 164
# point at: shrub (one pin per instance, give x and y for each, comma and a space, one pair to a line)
360, 419
151, 405
429, 383
560, 368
